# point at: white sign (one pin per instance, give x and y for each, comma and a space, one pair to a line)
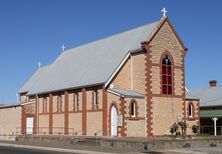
180, 117
119, 120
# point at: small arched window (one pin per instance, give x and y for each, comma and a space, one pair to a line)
190, 110
133, 109
166, 76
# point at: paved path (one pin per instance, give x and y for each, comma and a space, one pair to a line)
34, 148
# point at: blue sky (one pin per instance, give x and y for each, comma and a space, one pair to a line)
34, 30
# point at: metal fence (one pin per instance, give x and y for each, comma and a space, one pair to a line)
210, 130
45, 131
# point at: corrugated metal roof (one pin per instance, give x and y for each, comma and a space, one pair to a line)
34, 79
210, 113
127, 93
211, 96
190, 96
89, 64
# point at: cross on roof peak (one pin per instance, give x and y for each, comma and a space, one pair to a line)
39, 64
164, 11
63, 47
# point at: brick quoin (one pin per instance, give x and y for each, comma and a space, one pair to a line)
84, 114
66, 113
105, 112
146, 47
50, 113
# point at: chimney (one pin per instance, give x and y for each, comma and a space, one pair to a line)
213, 83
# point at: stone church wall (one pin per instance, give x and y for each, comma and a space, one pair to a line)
166, 108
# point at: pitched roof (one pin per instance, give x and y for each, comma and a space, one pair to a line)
126, 93
190, 96
211, 96
89, 64
35, 78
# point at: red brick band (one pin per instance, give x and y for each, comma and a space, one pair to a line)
50, 113
105, 114
66, 113
84, 114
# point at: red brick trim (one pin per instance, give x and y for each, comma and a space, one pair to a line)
105, 112
84, 112
135, 118
43, 114
109, 121
75, 111
99, 110
169, 96
50, 113
146, 47
123, 113
184, 91
58, 112
35, 117
66, 113
23, 121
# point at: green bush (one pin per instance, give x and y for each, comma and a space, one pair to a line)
195, 129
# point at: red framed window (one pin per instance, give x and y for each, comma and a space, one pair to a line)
167, 76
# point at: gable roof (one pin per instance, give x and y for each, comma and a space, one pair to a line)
209, 97
90, 64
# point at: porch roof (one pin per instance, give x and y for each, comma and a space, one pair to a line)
210, 113
126, 93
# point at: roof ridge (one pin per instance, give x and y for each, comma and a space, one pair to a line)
110, 36
204, 88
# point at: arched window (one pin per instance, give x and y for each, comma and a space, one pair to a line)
166, 76
190, 110
133, 109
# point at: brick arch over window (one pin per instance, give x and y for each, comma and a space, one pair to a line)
167, 73
133, 108
190, 110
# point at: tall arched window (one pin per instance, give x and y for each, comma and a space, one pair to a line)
190, 110
133, 109
166, 76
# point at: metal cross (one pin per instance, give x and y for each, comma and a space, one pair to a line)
63, 47
164, 11
39, 64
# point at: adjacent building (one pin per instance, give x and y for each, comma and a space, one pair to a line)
210, 108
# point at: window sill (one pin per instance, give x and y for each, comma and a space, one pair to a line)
134, 118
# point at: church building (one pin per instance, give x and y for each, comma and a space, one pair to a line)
128, 85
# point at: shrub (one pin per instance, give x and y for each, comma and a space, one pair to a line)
195, 129
174, 128
183, 127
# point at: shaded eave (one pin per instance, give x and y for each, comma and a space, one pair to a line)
123, 93
66, 89
10, 106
